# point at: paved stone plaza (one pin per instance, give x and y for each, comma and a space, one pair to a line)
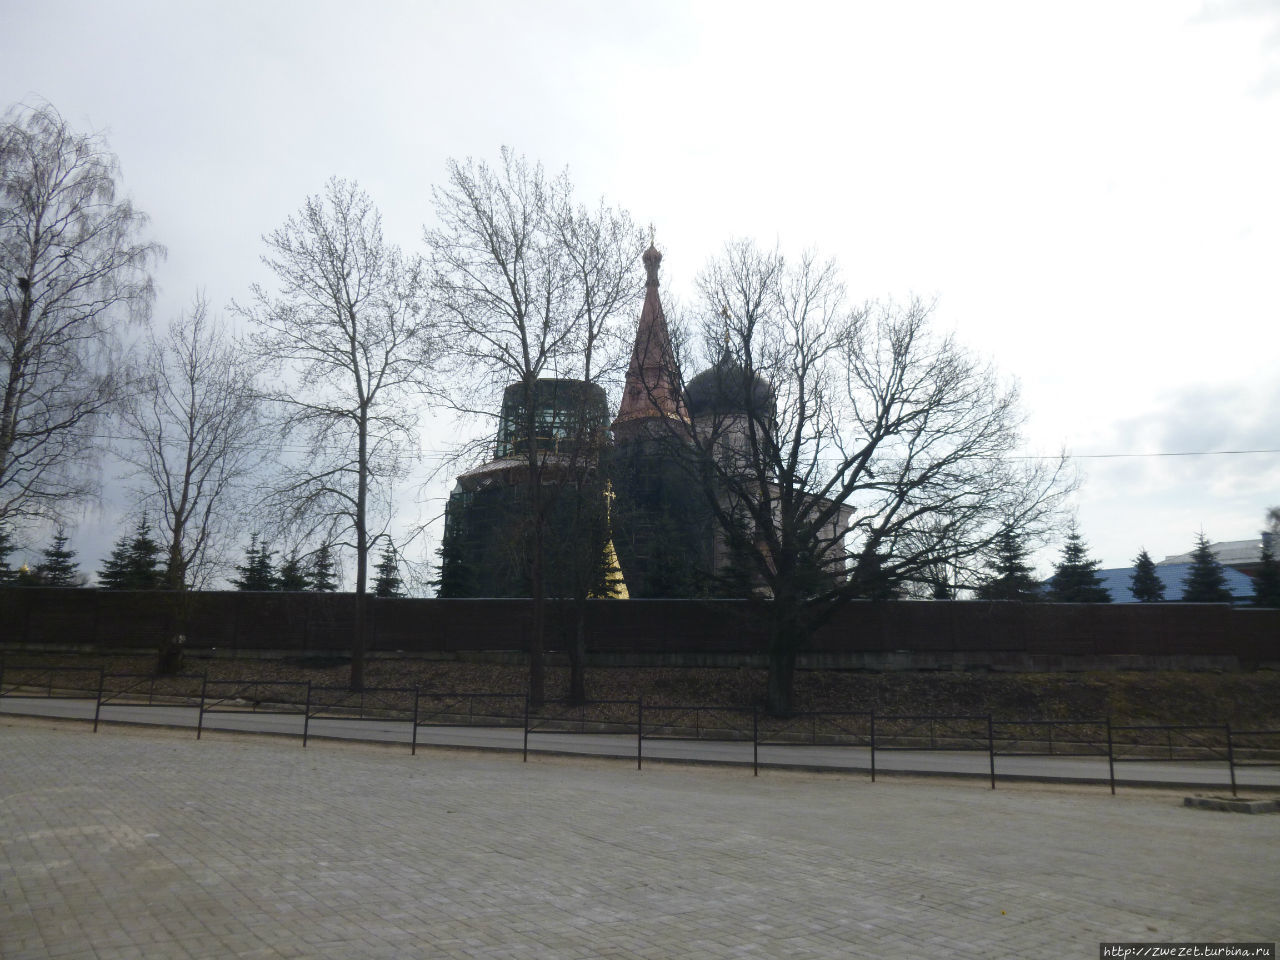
146, 843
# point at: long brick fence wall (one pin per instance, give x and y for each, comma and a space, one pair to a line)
889, 635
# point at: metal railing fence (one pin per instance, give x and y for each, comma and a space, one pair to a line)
59, 683
620, 719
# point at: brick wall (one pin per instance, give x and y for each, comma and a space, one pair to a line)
937, 633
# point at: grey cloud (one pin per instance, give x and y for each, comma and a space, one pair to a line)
1221, 11
1204, 418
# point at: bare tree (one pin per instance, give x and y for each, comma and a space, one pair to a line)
846, 452
530, 283
73, 269
349, 328
196, 438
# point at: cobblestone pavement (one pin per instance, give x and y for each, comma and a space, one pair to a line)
145, 843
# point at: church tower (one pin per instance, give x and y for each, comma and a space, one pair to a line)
661, 527
652, 390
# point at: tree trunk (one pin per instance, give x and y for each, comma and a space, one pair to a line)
362, 554
537, 632
17, 365
357, 645
537, 581
782, 668
176, 573
169, 654
784, 644
578, 653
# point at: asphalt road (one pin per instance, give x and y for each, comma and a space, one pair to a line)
974, 763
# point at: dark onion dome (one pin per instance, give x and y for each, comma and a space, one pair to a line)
726, 390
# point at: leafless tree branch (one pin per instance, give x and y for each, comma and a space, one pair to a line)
354, 341
73, 270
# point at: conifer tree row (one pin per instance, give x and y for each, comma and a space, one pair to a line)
259, 572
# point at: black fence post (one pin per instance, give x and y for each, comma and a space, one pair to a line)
413, 749
306, 717
1111, 759
640, 732
873, 746
97, 709
204, 686
755, 741
525, 758
1231, 760
991, 750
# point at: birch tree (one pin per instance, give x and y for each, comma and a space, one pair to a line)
352, 342
196, 438
73, 271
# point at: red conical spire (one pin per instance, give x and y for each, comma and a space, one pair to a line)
653, 380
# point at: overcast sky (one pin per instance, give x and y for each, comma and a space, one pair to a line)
1091, 191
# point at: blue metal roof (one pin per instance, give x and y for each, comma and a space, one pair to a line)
1117, 582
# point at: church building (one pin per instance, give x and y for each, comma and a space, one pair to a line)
626, 507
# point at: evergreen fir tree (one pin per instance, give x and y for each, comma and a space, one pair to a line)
58, 568
1266, 582
1011, 577
322, 574
1075, 577
257, 572
293, 575
387, 582
873, 584
7, 574
134, 562
1145, 584
115, 570
672, 570
1205, 581
455, 579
